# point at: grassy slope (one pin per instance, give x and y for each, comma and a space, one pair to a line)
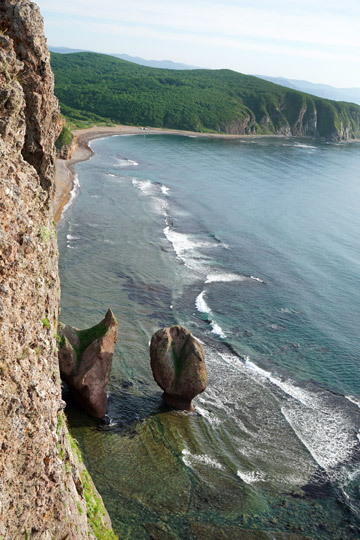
96, 88
64, 138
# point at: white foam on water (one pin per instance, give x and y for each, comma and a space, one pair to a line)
94, 196
216, 329
145, 186
211, 418
220, 277
195, 265
301, 145
256, 368
257, 279
325, 432
123, 162
224, 277
328, 431
250, 477
164, 208
202, 307
232, 360
301, 395
185, 457
118, 178
70, 237
354, 400
203, 459
73, 195
165, 190
287, 310
186, 248
159, 205
213, 397
90, 143
182, 243
201, 304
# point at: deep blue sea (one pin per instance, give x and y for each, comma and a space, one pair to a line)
254, 245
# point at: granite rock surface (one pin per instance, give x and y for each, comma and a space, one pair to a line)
178, 366
85, 360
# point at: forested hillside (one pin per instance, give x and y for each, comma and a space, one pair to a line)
94, 87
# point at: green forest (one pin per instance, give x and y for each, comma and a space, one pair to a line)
95, 89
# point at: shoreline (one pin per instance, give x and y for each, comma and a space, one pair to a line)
65, 169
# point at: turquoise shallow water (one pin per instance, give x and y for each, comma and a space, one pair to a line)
254, 245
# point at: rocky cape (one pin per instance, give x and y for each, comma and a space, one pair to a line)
45, 491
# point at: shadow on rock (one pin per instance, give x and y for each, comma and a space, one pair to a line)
85, 360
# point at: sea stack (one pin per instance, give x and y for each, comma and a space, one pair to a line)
85, 360
178, 366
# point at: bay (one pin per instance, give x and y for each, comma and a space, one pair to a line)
253, 244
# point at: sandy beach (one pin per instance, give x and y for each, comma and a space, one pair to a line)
64, 179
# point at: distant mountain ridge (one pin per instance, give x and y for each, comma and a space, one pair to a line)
351, 95
111, 89
163, 64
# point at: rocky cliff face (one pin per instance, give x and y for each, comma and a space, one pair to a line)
243, 126
42, 480
67, 151
300, 115
85, 360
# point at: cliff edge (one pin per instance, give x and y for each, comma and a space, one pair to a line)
45, 490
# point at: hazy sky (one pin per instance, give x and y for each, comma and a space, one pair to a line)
315, 40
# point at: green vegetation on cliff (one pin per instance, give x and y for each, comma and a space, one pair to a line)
96, 512
94, 88
64, 138
86, 337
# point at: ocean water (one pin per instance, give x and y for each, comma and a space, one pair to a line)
254, 245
